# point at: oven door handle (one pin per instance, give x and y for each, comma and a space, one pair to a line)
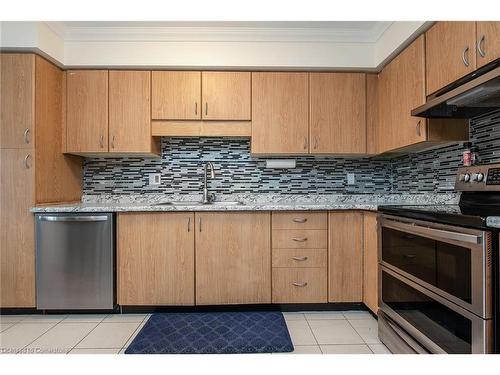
437, 233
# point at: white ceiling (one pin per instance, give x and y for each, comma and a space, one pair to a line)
258, 31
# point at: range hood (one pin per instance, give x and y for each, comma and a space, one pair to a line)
469, 97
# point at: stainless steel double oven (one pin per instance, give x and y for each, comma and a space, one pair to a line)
435, 292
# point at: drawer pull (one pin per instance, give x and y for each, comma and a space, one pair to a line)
299, 259
302, 239
299, 219
299, 284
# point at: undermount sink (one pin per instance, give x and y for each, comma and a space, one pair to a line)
197, 203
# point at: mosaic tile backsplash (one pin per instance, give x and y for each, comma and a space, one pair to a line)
181, 169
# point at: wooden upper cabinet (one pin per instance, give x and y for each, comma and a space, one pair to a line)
345, 258
233, 264
58, 177
372, 109
130, 111
401, 88
17, 105
338, 113
155, 255
176, 95
280, 113
226, 95
87, 111
450, 50
488, 42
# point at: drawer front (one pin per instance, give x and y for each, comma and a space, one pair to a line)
300, 220
300, 239
300, 257
299, 285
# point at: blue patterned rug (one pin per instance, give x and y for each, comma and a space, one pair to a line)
213, 333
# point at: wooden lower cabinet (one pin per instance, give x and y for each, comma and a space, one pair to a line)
233, 258
345, 256
300, 285
17, 244
155, 255
370, 261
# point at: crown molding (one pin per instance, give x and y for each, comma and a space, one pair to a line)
218, 33
218, 45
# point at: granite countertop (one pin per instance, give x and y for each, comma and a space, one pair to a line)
493, 221
251, 202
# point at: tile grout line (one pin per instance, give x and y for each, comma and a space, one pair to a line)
139, 326
83, 338
312, 331
40, 335
357, 333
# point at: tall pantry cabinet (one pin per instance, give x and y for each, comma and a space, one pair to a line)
31, 106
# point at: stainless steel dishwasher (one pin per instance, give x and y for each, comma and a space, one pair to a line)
74, 261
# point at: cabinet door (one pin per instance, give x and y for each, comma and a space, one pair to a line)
370, 261
17, 244
488, 42
129, 111
17, 100
176, 95
58, 177
401, 89
155, 258
345, 257
233, 258
226, 95
338, 108
87, 111
450, 53
280, 113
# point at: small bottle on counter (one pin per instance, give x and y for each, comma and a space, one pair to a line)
474, 155
467, 155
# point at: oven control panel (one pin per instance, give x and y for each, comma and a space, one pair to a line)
478, 178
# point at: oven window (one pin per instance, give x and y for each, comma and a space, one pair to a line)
446, 328
445, 266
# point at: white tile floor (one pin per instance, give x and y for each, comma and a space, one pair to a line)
348, 332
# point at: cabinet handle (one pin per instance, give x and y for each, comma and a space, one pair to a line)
27, 161
195, 108
302, 239
101, 141
417, 128
315, 146
26, 136
305, 143
189, 224
299, 219
465, 53
199, 224
206, 108
113, 142
300, 284
480, 46
299, 259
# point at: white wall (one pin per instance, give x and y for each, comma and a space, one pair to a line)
148, 51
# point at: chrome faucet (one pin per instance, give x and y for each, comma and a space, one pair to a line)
206, 198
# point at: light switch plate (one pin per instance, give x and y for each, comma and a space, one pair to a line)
155, 179
351, 180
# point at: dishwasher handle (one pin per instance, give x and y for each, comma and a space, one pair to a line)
76, 218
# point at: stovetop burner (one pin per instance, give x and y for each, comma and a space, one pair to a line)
480, 198
445, 214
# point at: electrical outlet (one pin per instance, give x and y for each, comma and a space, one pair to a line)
155, 179
351, 180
